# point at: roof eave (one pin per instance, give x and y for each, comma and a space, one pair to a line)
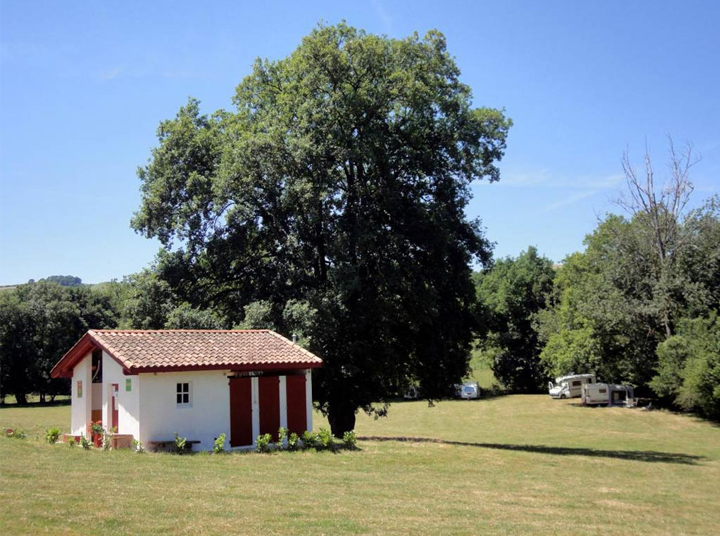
223, 366
88, 342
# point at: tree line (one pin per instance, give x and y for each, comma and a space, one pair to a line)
640, 304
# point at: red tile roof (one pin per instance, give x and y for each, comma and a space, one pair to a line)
175, 350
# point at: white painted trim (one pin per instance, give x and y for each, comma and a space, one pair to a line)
255, 390
283, 404
308, 399
107, 405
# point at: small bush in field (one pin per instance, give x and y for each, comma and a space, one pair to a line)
349, 440
85, 442
180, 444
15, 433
282, 434
325, 439
52, 435
293, 441
308, 439
262, 443
219, 444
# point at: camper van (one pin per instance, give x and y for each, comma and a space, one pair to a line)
608, 394
570, 386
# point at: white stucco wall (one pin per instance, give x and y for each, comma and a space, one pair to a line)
205, 418
80, 412
128, 403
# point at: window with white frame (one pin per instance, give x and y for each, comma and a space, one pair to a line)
182, 395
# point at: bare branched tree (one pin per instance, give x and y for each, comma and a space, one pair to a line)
663, 205
663, 208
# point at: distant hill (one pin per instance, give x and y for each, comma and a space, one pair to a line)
64, 280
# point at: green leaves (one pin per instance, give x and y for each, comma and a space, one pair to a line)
330, 204
511, 295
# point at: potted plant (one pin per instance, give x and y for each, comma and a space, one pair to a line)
96, 428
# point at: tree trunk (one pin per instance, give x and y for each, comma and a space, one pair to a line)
21, 398
341, 419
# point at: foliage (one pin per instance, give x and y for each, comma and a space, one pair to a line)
96, 427
180, 444
689, 366
64, 280
219, 444
263, 443
106, 442
293, 441
184, 316
309, 440
282, 434
52, 435
324, 438
349, 440
150, 303
338, 185
85, 443
39, 322
71, 441
616, 302
511, 293
15, 433
138, 446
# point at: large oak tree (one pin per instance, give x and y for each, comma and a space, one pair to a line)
336, 188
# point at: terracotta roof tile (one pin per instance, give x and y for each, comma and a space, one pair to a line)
155, 350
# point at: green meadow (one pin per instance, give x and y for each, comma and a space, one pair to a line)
524, 465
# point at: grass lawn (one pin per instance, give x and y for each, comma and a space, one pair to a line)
524, 465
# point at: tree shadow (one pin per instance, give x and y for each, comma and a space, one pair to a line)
629, 455
37, 404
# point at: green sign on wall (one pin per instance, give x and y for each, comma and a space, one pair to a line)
128, 385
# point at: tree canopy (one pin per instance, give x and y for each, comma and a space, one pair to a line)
334, 195
619, 304
511, 293
39, 322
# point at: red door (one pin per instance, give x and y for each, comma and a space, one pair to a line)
296, 407
241, 434
269, 405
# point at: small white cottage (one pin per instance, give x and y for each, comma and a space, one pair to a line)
198, 383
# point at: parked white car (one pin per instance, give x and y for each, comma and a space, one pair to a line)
469, 390
570, 386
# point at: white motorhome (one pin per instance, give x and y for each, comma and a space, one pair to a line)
608, 394
570, 386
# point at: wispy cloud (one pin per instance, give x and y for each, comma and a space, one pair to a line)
382, 14
111, 74
709, 146
546, 179
122, 72
570, 199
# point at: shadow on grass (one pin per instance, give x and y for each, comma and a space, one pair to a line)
485, 394
631, 455
34, 404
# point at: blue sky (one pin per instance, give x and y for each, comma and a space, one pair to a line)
84, 85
